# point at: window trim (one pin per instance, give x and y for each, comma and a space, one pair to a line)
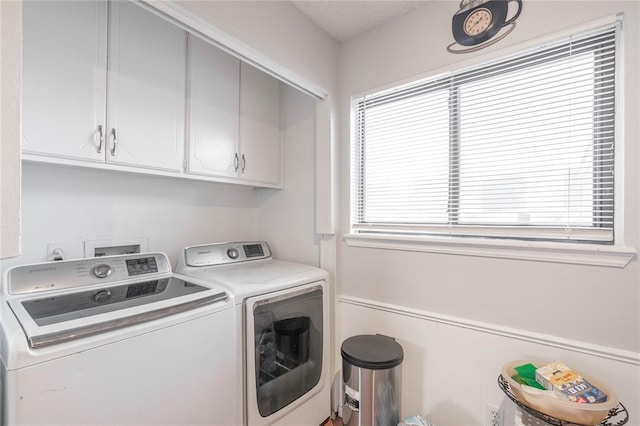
617, 255
577, 254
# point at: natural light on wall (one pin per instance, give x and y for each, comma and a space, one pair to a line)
520, 148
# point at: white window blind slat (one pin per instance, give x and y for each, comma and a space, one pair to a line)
519, 148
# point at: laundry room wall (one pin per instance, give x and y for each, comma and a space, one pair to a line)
286, 217
10, 48
68, 206
459, 317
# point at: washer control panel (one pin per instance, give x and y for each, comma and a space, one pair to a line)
81, 272
225, 253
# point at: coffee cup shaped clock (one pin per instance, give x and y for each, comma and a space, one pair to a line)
479, 21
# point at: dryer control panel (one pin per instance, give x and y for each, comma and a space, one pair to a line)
225, 253
81, 272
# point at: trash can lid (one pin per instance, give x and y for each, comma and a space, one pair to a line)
374, 352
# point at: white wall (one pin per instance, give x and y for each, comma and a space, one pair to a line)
286, 216
72, 205
10, 31
581, 309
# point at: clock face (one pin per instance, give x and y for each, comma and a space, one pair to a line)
477, 22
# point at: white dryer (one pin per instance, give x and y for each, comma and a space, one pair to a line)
283, 319
117, 340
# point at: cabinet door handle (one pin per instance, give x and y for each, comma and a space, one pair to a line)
244, 163
115, 142
100, 138
236, 161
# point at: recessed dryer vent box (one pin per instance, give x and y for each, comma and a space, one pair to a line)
100, 248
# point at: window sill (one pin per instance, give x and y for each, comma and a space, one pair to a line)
570, 253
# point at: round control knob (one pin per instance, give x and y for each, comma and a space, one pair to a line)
233, 253
102, 296
101, 271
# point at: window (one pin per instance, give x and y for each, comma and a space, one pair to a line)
519, 148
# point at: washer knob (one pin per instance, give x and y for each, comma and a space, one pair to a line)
102, 296
233, 253
101, 271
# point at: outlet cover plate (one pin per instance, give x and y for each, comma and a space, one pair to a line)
494, 415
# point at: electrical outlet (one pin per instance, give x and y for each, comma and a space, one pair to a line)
58, 251
495, 416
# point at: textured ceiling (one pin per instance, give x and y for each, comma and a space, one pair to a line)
343, 19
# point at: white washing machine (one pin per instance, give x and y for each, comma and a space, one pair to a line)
118, 340
283, 319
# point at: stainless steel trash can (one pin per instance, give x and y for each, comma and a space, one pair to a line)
372, 377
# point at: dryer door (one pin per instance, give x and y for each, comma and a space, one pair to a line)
286, 334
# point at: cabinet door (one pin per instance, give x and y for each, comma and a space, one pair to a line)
64, 78
146, 89
213, 110
260, 126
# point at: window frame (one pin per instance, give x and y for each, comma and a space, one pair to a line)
477, 243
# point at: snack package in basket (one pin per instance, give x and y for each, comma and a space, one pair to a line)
558, 377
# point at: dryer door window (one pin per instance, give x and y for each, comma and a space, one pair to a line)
287, 347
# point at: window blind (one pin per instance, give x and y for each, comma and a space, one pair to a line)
519, 148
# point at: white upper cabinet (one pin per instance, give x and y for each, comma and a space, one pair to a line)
235, 115
147, 61
214, 90
67, 112
64, 78
260, 127
105, 85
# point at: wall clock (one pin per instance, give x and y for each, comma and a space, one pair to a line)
477, 24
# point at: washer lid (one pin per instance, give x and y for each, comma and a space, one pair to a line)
64, 316
53, 309
374, 352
